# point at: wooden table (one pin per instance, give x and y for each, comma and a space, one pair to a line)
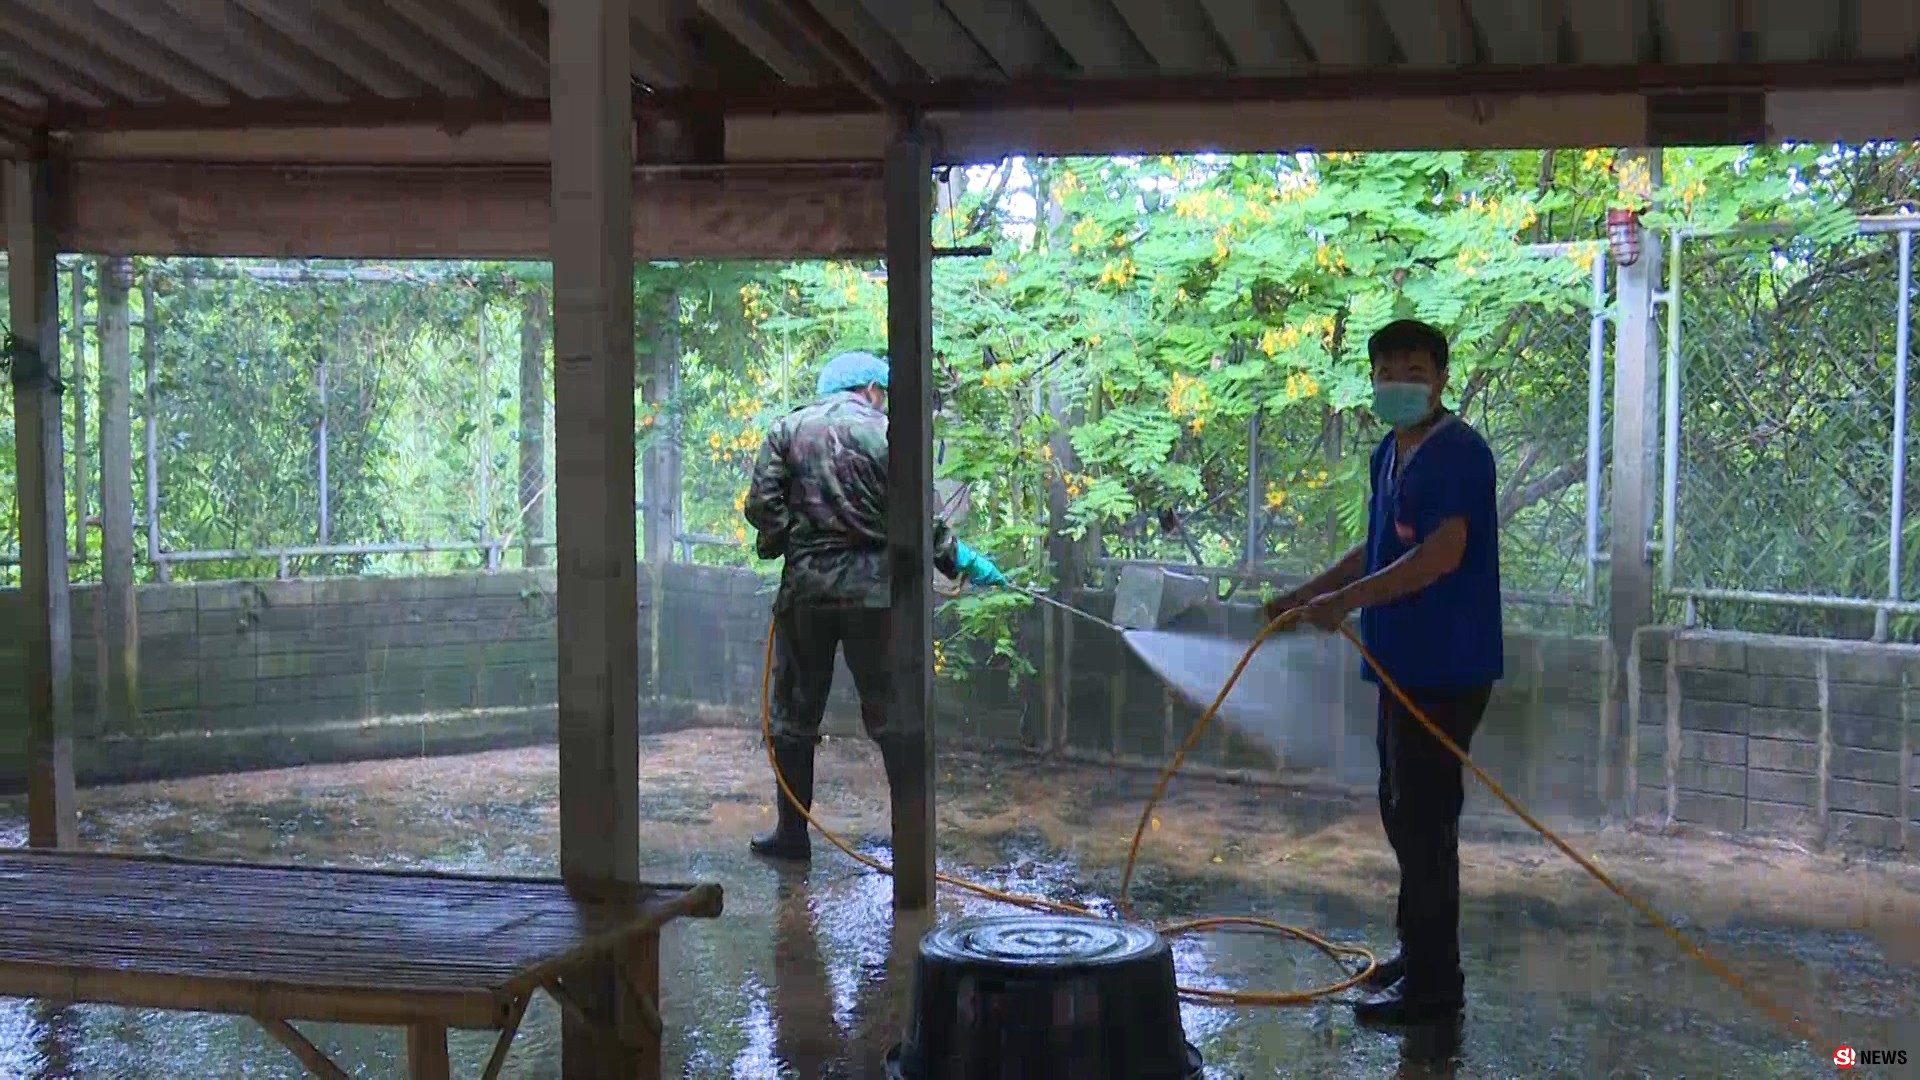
419, 950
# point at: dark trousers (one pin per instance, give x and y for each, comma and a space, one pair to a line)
805, 640
1421, 794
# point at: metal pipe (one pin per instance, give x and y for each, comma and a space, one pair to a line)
1801, 600
1670, 456
1253, 490
1902, 345
1596, 411
149, 349
326, 503
1066, 607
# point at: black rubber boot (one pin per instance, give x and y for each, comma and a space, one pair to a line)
789, 840
1386, 972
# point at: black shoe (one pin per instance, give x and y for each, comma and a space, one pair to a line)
1385, 973
1400, 1007
789, 840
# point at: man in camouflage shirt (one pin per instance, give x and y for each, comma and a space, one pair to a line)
819, 498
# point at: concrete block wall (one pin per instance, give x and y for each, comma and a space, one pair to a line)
238, 675
1814, 739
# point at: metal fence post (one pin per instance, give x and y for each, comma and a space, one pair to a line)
1670, 457
1596, 413
1253, 490
149, 350
1902, 344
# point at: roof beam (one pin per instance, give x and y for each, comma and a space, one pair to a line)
1176, 34
1010, 34
247, 36
376, 28
890, 63
82, 57
266, 211
1699, 31
1427, 38
1520, 31
47, 78
1888, 28
84, 19
932, 36
1094, 35
520, 26
767, 37
1337, 33
1257, 34
154, 23
514, 74
334, 46
1609, 31
1795, 30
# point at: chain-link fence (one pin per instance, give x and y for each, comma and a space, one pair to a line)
1787, 409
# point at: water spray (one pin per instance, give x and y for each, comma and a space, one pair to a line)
1149, 599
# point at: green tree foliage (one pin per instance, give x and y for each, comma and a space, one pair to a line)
1099, 372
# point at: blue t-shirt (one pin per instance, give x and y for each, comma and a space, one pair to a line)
1446, 637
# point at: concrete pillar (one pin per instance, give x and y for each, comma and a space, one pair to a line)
1636, 439
592, 246
909, 215
34, 295
117, 625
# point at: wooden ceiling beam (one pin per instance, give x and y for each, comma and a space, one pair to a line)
1011, 36
335, 47
244, 37
378, 30
1339, 35
443, 25
1699, 31
81, 57
1520, 31
1259, 35
254, 211
767, 38
890, 63
1887, 29
1177, 36
932, 36
47, 77
85, 20
1094, 35
160, 27
1610, 31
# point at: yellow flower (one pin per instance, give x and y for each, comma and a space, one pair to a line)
713, 440
1276, 498
1300, 385
1196, 424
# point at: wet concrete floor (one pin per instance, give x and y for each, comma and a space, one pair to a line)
808, 973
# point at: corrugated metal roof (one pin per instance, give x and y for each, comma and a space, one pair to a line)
85, 63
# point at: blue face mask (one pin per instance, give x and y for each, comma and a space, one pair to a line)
1402, 405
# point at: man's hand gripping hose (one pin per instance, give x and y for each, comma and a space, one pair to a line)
1336, 952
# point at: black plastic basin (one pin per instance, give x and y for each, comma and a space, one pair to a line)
1027, 997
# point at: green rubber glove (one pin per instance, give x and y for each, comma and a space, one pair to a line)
977, 568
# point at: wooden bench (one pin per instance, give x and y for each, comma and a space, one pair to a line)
419, 950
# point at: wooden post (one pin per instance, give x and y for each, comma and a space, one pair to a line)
909, 213
34, 295
598, 609
118, 622
534, 335
1636, 432
427, 1052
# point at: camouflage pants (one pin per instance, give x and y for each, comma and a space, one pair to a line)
805, 639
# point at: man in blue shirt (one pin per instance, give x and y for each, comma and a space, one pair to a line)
1427, 586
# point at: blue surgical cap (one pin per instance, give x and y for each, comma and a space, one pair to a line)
852, 371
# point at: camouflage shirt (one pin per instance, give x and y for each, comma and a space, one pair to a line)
819, 497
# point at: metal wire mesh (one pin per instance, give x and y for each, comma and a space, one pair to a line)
1788, 368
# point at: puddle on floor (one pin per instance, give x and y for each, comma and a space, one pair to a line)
808, 973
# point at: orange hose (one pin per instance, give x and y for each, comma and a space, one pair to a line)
1334, 951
